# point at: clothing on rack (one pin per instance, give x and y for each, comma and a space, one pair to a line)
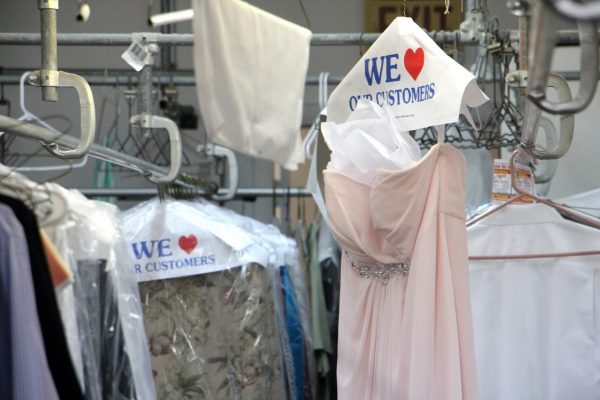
480, 173
55, 344
24, 369
84, 310
101, 308
223, 306
250, 79
324, 289
405, 320
535, 319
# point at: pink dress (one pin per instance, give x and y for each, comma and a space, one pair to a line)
405, 330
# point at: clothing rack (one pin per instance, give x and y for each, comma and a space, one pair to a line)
187, 39
122, 77
240, 194
564, 38
118, 77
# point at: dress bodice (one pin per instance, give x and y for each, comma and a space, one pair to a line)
380, 223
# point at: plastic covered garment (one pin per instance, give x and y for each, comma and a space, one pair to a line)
214, 336
219, 312
100, 308
369, 140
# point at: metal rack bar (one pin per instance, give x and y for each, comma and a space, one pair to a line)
12, 77
564, 37
187, 39
241, 193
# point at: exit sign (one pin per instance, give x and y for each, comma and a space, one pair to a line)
428, 14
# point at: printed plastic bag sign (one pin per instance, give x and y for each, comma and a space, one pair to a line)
407, 71
173, 239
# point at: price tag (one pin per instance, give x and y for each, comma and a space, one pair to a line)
502, 189
136, 55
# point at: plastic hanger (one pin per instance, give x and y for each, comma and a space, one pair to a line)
540, 57
588, 11
28, 116
156, 122
313, 132
49, 205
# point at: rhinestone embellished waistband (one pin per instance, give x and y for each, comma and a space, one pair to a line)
377, 271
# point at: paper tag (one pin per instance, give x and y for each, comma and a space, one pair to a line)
136, 55
502, 189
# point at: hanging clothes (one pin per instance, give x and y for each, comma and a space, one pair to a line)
24, 370
55, 344
320, 322
250, 71
405, 318
100, 308
222, 305
536, 321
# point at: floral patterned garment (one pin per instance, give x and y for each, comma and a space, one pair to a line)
214, 336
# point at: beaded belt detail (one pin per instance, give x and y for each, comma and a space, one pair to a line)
378, 271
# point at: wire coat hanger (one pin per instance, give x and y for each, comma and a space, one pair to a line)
563, 210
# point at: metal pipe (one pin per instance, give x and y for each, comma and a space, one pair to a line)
11, 77
187, 39
523, 48
241, 193
565, 38
48, 10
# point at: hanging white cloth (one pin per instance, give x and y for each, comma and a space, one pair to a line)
250, 72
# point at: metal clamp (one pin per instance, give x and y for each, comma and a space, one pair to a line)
156, 122
589, 74
232, 173
531, 123
588, 11
87, 111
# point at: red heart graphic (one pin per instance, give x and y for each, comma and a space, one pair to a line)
413, 62
188, 243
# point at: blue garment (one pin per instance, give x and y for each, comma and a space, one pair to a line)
293, 327
30, 373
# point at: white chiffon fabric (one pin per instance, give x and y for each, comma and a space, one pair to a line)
371, 139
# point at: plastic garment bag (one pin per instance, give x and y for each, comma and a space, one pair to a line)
212, 293
101, 309
369, 140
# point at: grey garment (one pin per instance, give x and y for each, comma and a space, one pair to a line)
480, 173
328, 247
106, 365
31, 377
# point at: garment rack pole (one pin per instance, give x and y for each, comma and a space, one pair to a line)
241, 193
564, 38
187, 39
177, 78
